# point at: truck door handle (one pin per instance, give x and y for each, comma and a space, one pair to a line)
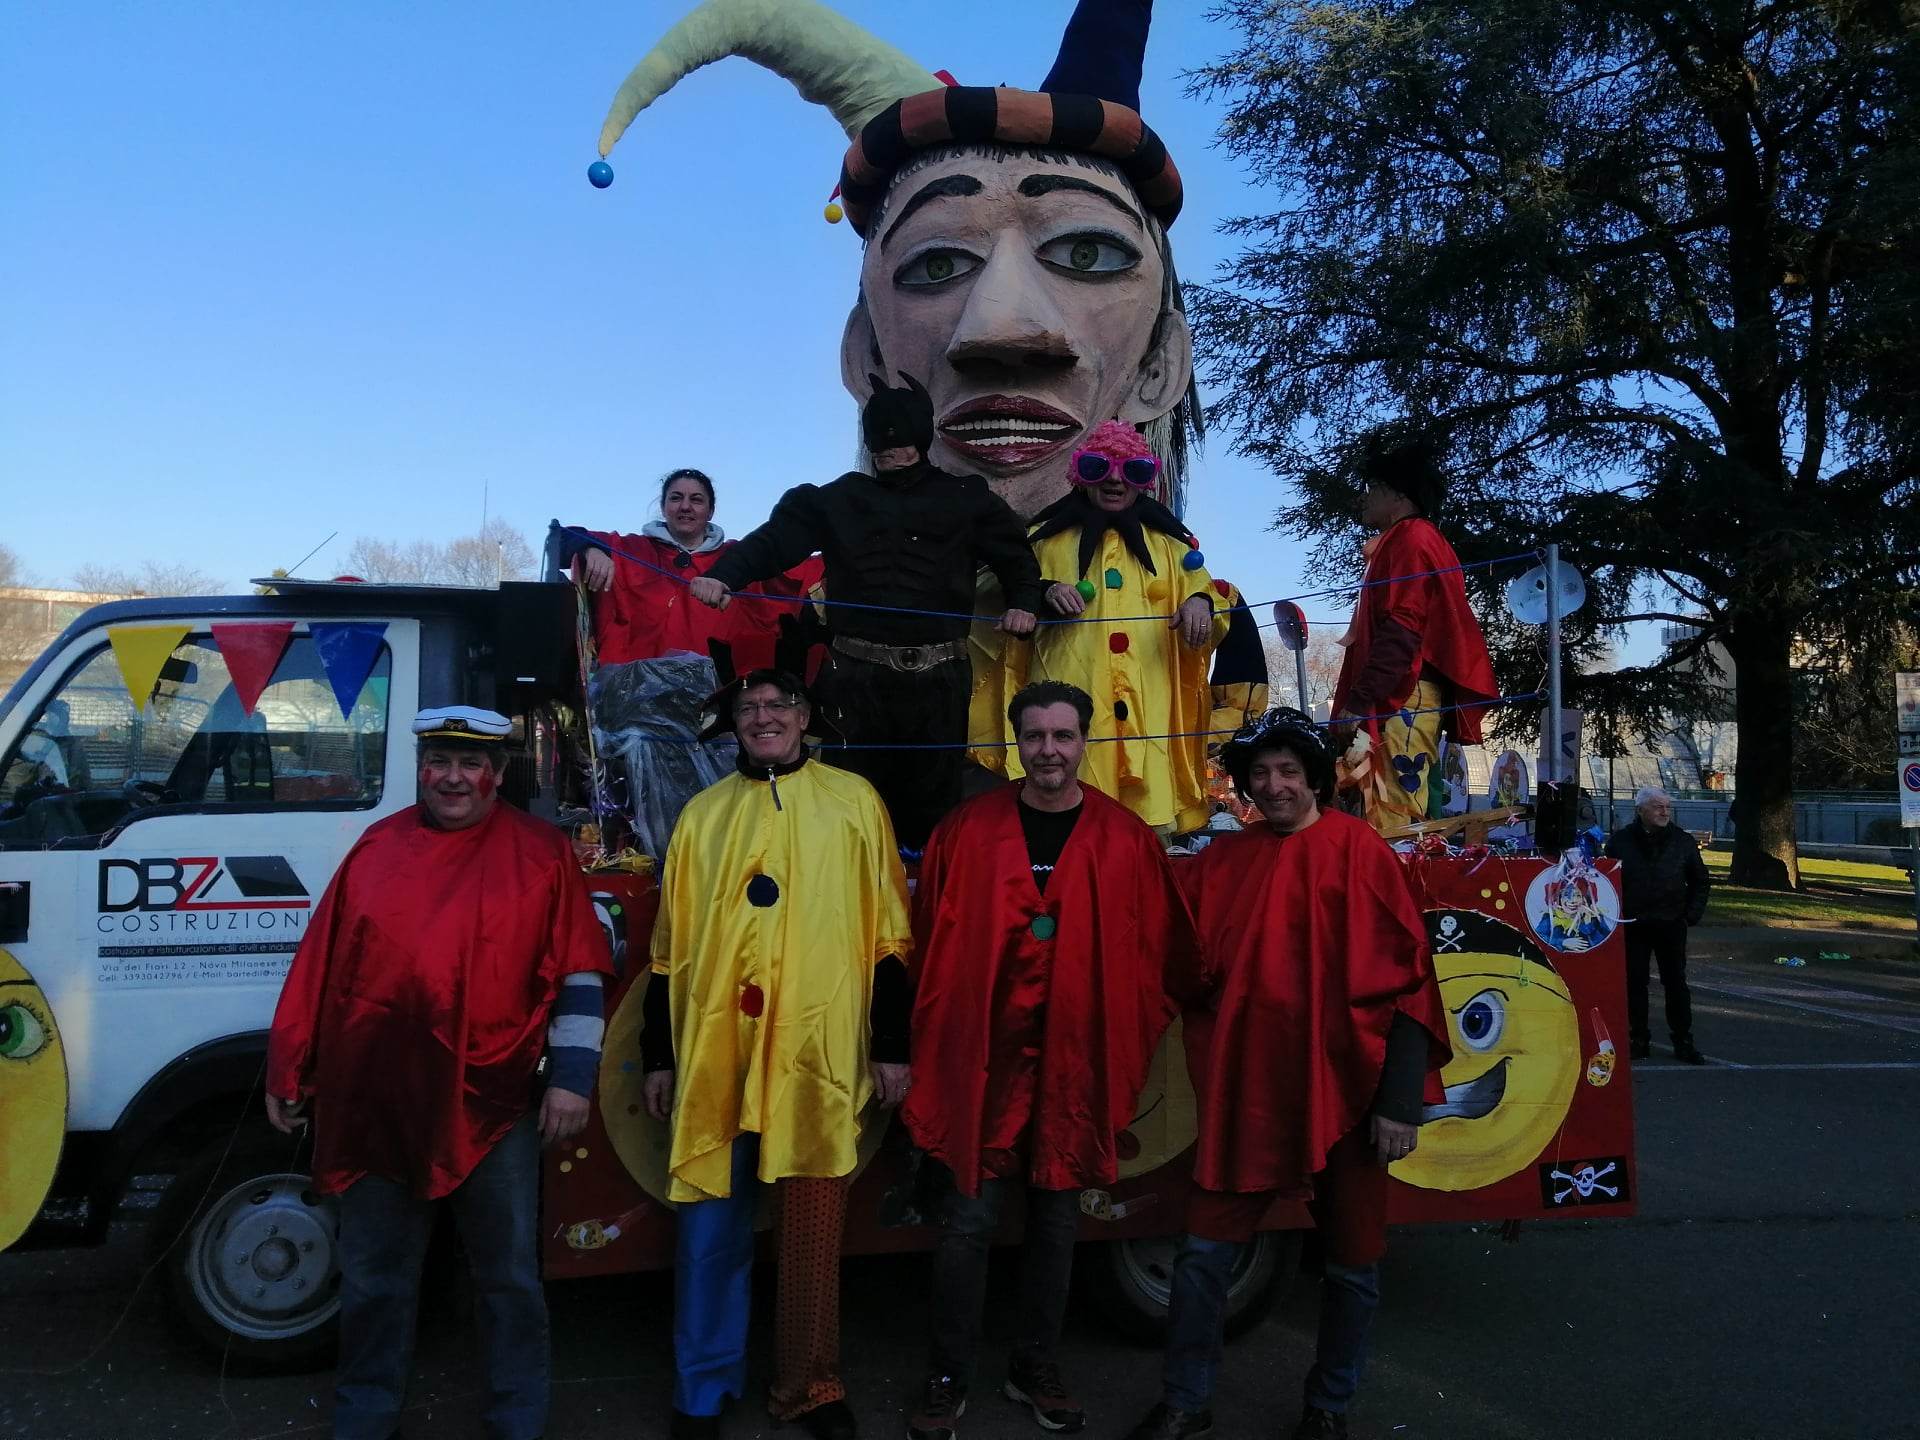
16, 903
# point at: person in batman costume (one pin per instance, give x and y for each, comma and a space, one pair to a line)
909, 537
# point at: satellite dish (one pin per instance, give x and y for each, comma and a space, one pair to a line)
1527, 594
1291, 625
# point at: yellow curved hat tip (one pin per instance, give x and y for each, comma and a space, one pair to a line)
834, 214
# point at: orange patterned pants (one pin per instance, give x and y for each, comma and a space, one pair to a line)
806, 1366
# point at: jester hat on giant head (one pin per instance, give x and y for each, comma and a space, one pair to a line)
891, 107
895, 111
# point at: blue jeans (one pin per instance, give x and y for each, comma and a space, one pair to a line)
384, 1232
1196, 1326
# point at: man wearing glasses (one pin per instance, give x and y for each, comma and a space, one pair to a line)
779, 1009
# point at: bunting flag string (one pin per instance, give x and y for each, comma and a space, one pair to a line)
252, 652
347, 650
141, 651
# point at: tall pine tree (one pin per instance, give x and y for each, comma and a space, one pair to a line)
1652, 272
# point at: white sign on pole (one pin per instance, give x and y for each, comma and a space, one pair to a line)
1906, 705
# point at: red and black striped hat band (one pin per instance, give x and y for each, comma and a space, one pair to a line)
981, 114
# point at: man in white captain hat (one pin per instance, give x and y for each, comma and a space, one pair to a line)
455, 944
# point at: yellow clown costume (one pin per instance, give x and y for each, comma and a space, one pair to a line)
1129, 565
779, 896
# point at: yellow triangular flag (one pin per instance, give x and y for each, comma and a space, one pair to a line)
141, 651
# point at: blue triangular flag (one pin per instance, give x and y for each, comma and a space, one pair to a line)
347, 651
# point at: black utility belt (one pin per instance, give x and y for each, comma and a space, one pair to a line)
908, 659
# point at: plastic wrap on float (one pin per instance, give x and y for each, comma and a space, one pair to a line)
646, 724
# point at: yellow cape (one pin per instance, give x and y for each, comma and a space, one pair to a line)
785, 908
1161, 683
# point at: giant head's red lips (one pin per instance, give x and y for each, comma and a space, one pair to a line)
1007, 432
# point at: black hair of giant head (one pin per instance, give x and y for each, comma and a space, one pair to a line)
1043, 693
687, 472
1282, 729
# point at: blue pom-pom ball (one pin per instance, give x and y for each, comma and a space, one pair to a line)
600, 174
1193, 559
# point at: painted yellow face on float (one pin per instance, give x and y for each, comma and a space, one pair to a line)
1027, 295
33, 1098
1516, 1060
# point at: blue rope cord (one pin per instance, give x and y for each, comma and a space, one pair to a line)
970, 617
1405, 712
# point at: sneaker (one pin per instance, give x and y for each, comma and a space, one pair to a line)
694, 1427
1687, 1051
941, 1406
1163, 1422
1036, 1383
831, 1421
1318, 1424
1640, 1049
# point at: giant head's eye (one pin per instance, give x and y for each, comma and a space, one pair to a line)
935, 267
22, 1034
1482, 1019
1089, 254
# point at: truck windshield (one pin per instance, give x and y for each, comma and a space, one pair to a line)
93, 760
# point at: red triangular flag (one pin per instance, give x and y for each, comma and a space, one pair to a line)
252, 651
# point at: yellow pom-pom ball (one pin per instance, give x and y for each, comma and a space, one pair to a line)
834, 213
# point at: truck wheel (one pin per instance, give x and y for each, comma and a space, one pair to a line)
1131, 1281
249, 1255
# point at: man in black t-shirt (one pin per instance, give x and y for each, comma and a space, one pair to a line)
1050, 947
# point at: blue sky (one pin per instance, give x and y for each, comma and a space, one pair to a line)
274, 271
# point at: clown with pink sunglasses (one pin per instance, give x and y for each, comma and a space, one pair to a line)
1136, 620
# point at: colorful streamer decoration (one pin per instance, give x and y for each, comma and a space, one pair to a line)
141, 652
252, 653
347, 651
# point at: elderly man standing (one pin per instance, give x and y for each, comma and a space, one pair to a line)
1663, 892
778, 1011
455, 943
1049, 935
1308, 1069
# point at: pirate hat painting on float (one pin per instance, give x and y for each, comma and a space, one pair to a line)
1015, 241
1516, 1055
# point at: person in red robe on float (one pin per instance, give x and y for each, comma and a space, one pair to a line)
1048, 937
1308, 1069
1414, 646
642, 609
455, 943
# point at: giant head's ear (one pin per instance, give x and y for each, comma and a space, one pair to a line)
859, 354
1165, 372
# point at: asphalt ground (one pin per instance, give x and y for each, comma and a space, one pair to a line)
1766, 1288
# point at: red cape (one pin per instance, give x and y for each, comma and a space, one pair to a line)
1317, 943
416, 1008
1435, 608
1041, 1044
645, 613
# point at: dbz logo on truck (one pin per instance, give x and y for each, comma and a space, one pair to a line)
201, 882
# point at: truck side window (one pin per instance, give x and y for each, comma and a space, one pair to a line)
92, 760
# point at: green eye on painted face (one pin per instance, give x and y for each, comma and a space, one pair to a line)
1089, 255
935, 267
22, 1035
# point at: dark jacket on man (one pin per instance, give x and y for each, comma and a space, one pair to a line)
912, 539
1662, 877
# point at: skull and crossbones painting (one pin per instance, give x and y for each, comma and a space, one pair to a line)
1600, 1181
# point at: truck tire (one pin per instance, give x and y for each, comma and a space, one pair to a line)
248, 1251
1131, 1281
